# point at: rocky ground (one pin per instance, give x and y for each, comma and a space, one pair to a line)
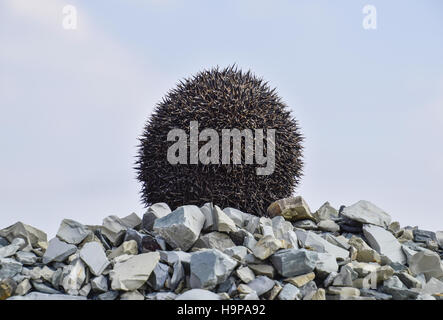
355, 253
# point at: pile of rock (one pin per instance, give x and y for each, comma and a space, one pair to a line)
208, 253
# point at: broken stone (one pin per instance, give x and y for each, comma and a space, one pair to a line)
325, 212
10, 250
236, 216
132, 295
423, 235
198, 294
428, 263
154, 212
222, 222
261, 285
409, 280
439, 236
209, 268
58, 251
23, 287
328, 225
289, 292
300, 281
7, 288
245, 274
292, 209
9, 268
306, 225
72, 232
159, 276
133, 273
74, 277
364, 252
26, 258
132, 221
94, 256
45, 296
313, 241
320, 294
283, 230
114, 229
41, 287
181, 227
237, 252
433, 286
365, 212
343, 292
99, 284
263, 270
384, 243
110, 295
266, 246
293, 262
177, 276
127, 247
28, 233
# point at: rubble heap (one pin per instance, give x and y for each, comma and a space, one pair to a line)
355, 253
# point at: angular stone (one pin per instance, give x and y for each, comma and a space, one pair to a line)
289, 292
328, 225
364, 252
162, 296
423, 235
365, 212
177, 276
85, 290
45, 296
237, 252
320, 294
75, 276
154, 212
245, 274
41, 287
209, 268
263, 270
345, 277
409, 280
325, 212
159, 276
283, 230
181, 227
3, 242
375, 294
433, 286
291, 209
152, 243
249, 241
10, 250
28, 233
99, 284
132, 295
133, 273
428, 263
132, 221
72, 232
401, 294
23, 287
108, 296
394, 282
222, 222
26, 258
7, 288
305, 224
127, 247
344, 292
9, 268
198, 294
261, 285
236, 215
325, 263
294, 262
313, 241
339, 241
136, 236
114, 229
266, 246
300, 281
439, 236
172, 257
94, 256
384, 243
58, 251
214, 240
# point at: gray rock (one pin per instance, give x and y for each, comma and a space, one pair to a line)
228, 286
110, 295
236, 215
28, 233
23, 287
245, 274
85, 290
328, 225
428, 263
312, 240
293, 209
172, 257
72, 232
325, 212
325, 263
439, 236
41, 287
132, 295
159, 276
365, 212
94, 256
26, 258
306, 224
132, 221
374, 293
45, 296
10, 250
237, 252
214, 240
210, 267
99, 284
400, 294
3, 242
261, 285
283, 230
134, 272
198, 294
138, 237
423, 235
266, 246
58, 251
162, 296
433, 286
294, 262
222, 222
154, 212
9, 268
249, 241
409, 280
289, 292
74, 275
114, 229
384, 243
394, 282
181, 227
177, 276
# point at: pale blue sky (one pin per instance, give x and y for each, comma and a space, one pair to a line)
370, 102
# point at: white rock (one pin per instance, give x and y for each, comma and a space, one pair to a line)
10, 250
132, 295
154, 212
312, 240
133, 273
428, 263
328, 225
283, 230
94, 256
245, 274
365, 212
222, 222
74, 278
236, 216
198, 294
433, 286
181, 227
439, 235
114, 229
266, 246
384, 243
289, 292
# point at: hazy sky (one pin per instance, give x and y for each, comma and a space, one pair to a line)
73, 102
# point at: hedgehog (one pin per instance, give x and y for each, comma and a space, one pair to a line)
220, 99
